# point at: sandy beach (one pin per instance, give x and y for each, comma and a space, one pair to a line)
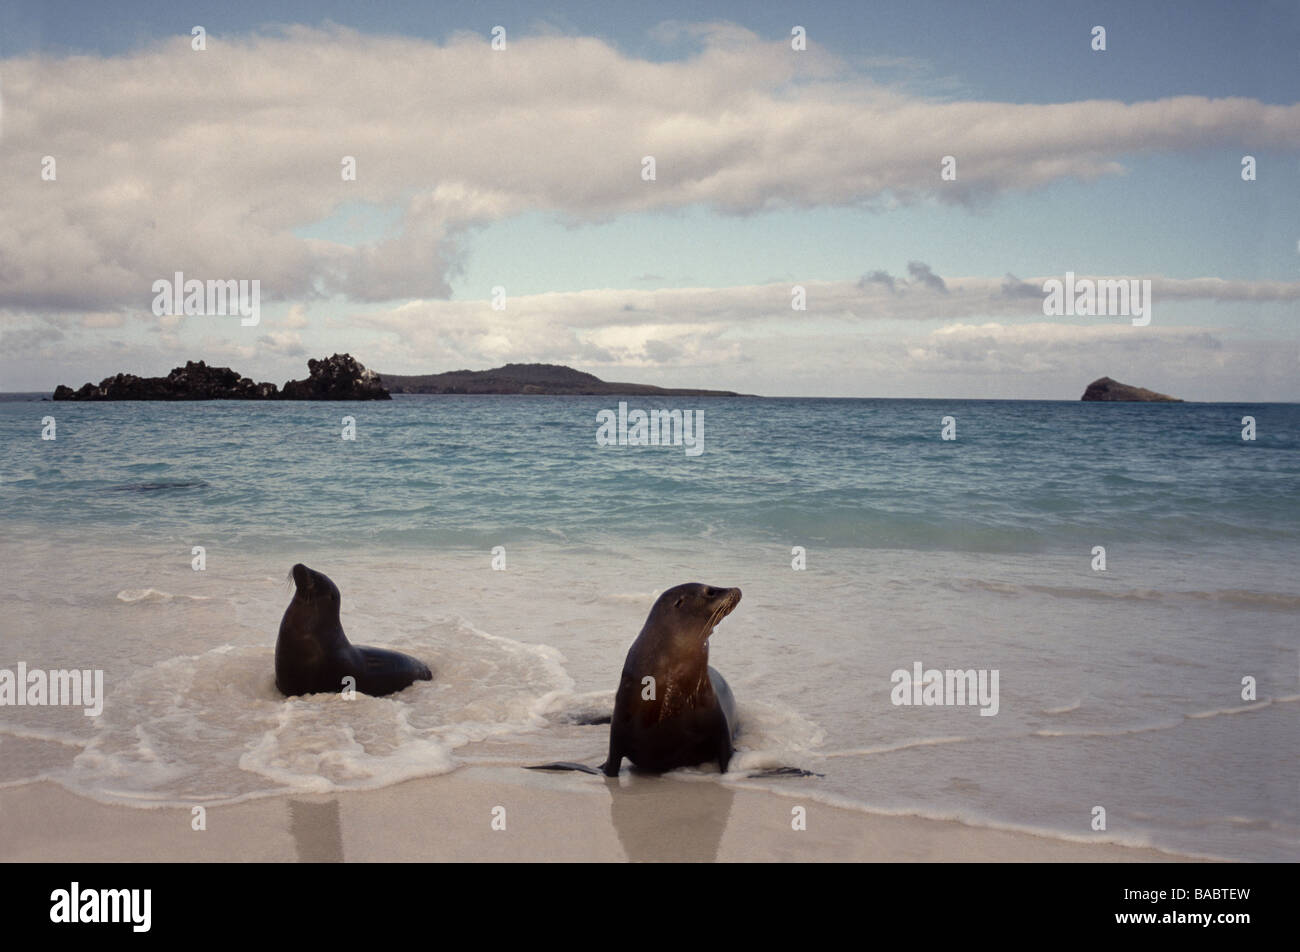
547, 817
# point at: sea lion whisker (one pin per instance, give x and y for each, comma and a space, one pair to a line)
722, 611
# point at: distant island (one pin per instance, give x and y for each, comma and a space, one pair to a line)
553, 379
339, 377
342, 377
1112, 391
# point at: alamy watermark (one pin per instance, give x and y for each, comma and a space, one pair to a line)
656, 428
179, 297
948, 687
75, 905
55, 688
1104, 297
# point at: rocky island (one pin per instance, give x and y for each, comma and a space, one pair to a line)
553, 379
1108, 390
339, 377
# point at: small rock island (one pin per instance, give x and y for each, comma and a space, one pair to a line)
1112, 391
339, 377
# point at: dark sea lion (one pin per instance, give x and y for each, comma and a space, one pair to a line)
690, 717
687, 714
313, 655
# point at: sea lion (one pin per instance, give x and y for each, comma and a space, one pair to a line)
313, 655
686, 715
690, 716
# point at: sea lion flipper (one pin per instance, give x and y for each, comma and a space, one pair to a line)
563, 765
726, 700
614, 762
389, 671
782, 772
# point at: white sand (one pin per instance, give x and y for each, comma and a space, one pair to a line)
548, 817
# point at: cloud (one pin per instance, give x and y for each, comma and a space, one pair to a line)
662, 352
1040, 360
677, 329
921, 274
1013, 287
910, 342
212, 163
296, 319
877, 277
286, 343
1049, 348
27, 340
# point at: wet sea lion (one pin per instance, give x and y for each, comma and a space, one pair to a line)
672, 709
313, 655
686, 715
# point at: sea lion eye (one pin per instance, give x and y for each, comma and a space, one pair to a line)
677, 604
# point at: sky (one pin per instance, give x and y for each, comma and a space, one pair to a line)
516, 177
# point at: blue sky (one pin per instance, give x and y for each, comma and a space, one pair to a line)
1022, 52
1171, 206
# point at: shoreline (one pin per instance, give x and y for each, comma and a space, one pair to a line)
47, 396
450, 818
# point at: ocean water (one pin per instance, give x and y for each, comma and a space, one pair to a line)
1119, 688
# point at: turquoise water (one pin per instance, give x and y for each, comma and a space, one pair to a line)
1020, 477
1120, 688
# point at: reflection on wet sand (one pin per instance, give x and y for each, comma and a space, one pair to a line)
660, 820
316, 831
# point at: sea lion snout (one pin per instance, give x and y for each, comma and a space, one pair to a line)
732, 598
301, 576
312, 585
721, 600
725, 600
696, 593
697, 607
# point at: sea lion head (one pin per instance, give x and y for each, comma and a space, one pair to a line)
691, 611
310, 632
312, 585
315, 604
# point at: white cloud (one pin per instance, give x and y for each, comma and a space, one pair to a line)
854, 339
560, 325
287, 343
170, 159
